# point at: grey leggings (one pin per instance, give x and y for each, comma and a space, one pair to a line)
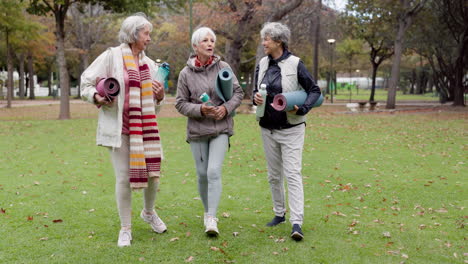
123, 192
209, 156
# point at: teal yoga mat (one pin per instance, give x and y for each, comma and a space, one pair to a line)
223, 85
287, 101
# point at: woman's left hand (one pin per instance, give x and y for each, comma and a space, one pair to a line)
158, 91
220, 112
294, 111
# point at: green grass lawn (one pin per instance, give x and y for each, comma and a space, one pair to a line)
378, 189
381, 95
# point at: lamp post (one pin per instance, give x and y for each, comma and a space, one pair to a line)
332, 85
357, 82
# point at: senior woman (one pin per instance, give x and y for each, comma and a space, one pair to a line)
209, 126
127, 125
283, 132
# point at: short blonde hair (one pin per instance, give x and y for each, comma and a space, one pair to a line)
131, 26
199, 34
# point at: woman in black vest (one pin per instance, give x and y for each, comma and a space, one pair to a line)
283, 132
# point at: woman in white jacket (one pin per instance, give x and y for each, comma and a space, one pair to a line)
127, 124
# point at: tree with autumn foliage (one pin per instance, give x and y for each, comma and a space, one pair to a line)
370, 21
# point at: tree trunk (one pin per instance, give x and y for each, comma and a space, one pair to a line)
21, 75
10, 83
49, 80
460, 66
375, 66
394, 80
32, 95
62, 64
84, 65
413, 81
317, 41
404, 21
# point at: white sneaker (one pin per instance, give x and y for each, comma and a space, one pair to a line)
153, 219
125, 237
211, 226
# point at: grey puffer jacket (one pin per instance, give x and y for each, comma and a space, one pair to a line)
193, 82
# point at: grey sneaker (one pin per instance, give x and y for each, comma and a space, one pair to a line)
125, 238
153, 219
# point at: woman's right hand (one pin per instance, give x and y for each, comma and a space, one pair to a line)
258, 99
100, 100
208, 111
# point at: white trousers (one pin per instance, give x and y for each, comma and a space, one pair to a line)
123, 192
283, 151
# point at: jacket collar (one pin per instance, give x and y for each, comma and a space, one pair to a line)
192, 66
286, 54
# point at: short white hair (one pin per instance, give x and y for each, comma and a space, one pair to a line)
277, 32
200, 34
131, 26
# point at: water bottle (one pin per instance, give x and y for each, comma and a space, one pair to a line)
205, 98
263, 93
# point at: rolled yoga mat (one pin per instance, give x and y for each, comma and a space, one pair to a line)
287, 101
223, 85
108, 88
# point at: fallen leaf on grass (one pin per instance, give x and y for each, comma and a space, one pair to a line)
421, 227
57, 221
275, 253
285, 249
36, 183
2, 211
386, 234
441, 210
226, 215
280, 240
235, 233
43, 238
338, 213
174, 239
189, 259
30, 218
188, 234
404, 256
141, 259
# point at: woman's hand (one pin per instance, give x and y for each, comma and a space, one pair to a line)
220, 112
102, 101
258, 99
208, 111
158, 91
294, 111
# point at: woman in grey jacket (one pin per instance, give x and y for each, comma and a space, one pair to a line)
209, 125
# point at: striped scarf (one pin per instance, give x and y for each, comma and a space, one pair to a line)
145, 146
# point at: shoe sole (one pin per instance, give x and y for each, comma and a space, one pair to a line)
297, 236
164, 231
271, 225
159, 232
211, 233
